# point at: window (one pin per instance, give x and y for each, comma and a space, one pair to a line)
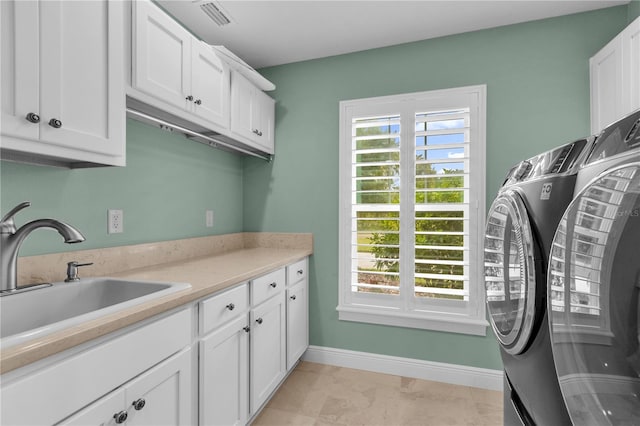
412, 191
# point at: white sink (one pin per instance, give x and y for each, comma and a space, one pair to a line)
36, 313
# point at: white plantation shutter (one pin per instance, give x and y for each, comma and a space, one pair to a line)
410, 217
375, 204
442, 158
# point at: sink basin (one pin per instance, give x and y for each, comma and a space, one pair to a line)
33, 314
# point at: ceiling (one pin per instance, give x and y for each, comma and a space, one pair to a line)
267, 32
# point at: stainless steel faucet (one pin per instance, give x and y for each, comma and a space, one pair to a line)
11, 239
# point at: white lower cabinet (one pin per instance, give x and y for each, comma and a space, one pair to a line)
246, 349
161, 396
297, 311
248, 338
224, 375
138, 362
268, 349
297, 322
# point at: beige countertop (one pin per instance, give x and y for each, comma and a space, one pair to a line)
207, 275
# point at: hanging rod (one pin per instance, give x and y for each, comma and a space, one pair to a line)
186, 131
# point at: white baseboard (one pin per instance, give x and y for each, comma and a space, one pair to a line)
418, 369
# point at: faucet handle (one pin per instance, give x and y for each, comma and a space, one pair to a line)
72, 270
7, 225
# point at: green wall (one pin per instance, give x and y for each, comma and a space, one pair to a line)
537, 98
164, 190
633, 10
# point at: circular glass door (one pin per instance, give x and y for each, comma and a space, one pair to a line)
594, 303
510, 280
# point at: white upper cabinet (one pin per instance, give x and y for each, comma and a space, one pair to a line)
181, 80
161, 55
252, 114
63, 81
20, 73
631, 65
174, 67
615, 78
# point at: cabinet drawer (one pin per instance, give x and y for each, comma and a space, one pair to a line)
267, 285
223, 307
297, 272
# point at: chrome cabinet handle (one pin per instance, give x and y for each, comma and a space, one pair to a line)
55, 123
33, 118
198, 102
139, 404
259, 320
189, 98
293, 297
273, 284
231, 306
246, 329
121, 417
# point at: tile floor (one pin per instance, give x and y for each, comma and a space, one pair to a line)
317, 394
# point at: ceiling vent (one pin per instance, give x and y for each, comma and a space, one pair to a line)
215, 12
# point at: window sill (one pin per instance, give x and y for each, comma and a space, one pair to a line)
430, 321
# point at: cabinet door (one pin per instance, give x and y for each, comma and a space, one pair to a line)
241, 106
264, 119
19, 67
268, 349
297, 322
82, 75
224, 375
631, 65
166, 391
606, 85
252, 113
161, 55
210, 85
103, 412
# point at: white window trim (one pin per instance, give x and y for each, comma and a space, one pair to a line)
470, 320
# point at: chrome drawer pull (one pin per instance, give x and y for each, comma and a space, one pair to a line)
120, 417
33, 118
139, 404
55, 123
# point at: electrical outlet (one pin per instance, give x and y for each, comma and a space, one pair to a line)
209, 218
115, 221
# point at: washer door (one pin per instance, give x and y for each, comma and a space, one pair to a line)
510, 279
594, 303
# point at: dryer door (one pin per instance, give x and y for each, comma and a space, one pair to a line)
510, 279
594, 283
